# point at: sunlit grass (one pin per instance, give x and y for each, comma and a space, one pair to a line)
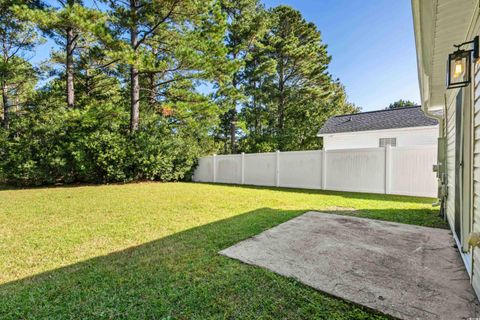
149, 250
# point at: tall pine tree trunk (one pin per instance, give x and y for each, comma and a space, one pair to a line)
134, 74
233, 123
281, 105
6, 105
135, 99
281, 108
281, 100
69, 67
233, 130
256, 113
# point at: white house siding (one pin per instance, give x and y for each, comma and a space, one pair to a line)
472, 261
450, 134
476, 178
438, 25
406, 137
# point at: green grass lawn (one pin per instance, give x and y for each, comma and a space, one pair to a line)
149, 250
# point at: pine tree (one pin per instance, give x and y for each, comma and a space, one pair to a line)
17, 40
167, 42
247, 22
67, 24
292, 102
96, 77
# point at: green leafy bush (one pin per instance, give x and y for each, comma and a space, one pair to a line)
49, 145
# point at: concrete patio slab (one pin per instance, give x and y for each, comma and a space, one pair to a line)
405, 271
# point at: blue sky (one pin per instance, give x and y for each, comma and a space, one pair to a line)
371, 43
372, 47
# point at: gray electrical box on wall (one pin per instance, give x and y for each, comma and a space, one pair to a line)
441, 167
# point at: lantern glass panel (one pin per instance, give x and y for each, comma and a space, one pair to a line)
458, 73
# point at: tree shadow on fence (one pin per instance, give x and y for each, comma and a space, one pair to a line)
177, 277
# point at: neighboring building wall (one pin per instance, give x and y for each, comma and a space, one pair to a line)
370, 139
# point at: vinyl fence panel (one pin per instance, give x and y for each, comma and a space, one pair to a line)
411, 171
300, 169
228, 169
390, 170
260, 169
358, 170
204, 170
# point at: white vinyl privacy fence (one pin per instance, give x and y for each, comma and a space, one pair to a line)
390, 170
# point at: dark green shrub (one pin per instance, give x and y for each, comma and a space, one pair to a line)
57, 145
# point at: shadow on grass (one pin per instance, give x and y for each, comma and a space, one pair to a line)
177, 277
344, 194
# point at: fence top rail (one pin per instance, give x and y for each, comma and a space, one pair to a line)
260, 154
356, 150
419, 147
228, 155
301, 151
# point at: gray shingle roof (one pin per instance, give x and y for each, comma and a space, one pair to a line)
378, 120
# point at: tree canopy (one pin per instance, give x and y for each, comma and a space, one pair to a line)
140, 89
402, 104
292, 92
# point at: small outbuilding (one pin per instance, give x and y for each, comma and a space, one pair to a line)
401, 127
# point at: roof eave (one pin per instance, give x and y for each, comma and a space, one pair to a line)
422, 57
433, 126
438, 25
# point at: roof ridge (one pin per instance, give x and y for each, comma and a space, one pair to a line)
373, 111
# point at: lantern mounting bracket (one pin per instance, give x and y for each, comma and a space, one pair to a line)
475, 48
459, 64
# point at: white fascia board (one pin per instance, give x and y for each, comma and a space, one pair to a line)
423, 26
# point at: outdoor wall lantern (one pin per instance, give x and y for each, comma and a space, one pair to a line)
459, 64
